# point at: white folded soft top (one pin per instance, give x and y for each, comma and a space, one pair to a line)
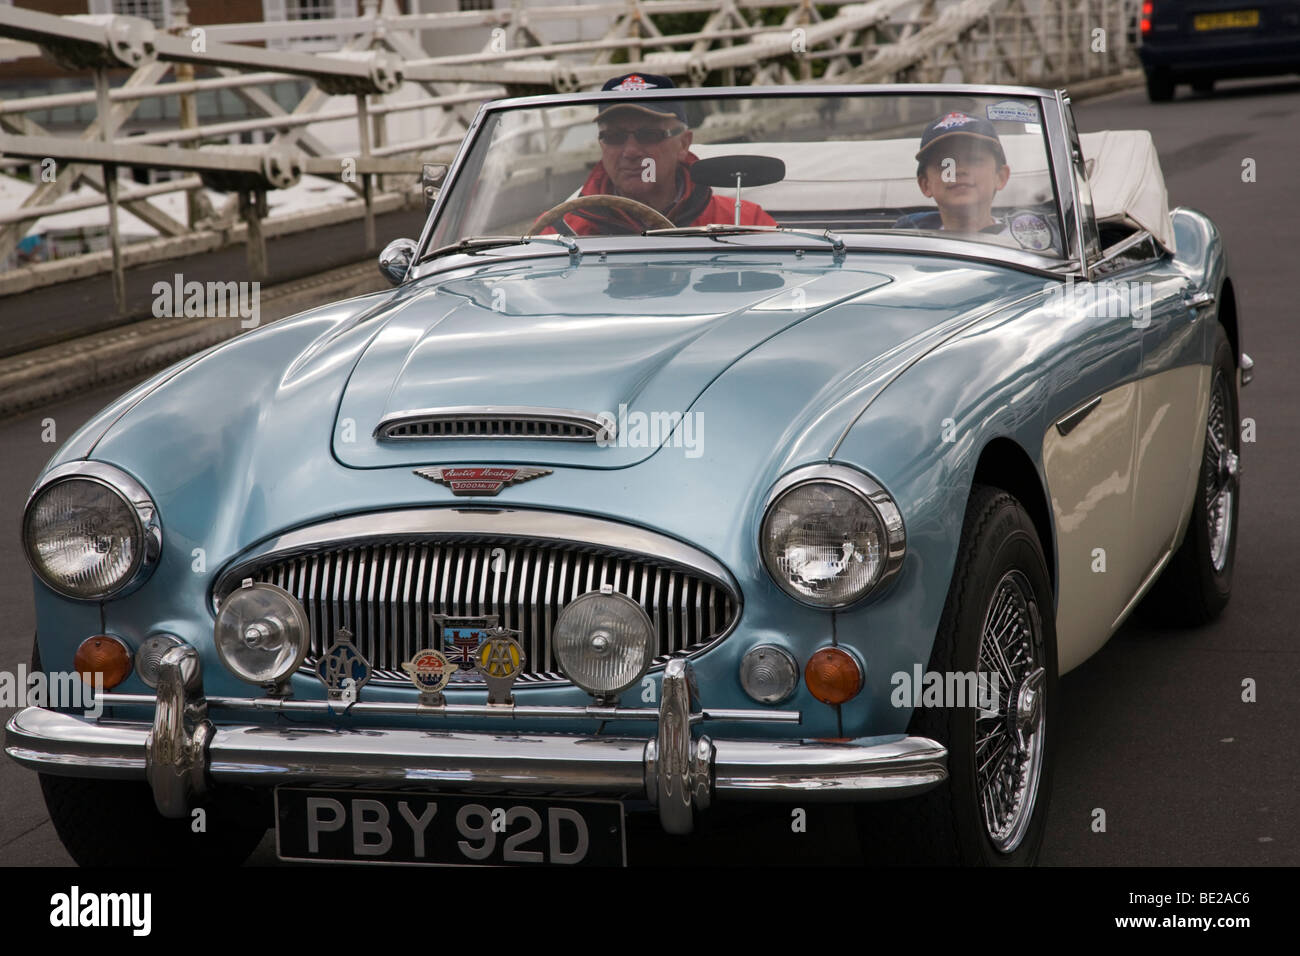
1126, 182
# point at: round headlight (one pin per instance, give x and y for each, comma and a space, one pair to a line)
768, 673
261, 633
604, 642
91, 532
830, 536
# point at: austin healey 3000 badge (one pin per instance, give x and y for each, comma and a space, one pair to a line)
480, 481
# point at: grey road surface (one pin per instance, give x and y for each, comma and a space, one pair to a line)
1155, 734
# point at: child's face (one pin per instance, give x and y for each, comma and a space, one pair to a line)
971, 179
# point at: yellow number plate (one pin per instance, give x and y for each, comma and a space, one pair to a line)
1231, 20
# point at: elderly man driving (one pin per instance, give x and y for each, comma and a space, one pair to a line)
644, 156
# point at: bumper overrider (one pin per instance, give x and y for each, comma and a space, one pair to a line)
184, 754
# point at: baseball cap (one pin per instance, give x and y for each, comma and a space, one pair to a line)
635, 83
960, 124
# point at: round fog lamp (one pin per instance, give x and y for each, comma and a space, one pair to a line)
261, 633
604, 642
768, 673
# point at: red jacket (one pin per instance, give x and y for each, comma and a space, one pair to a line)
697, 207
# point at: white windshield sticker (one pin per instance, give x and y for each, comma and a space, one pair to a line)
1013, 111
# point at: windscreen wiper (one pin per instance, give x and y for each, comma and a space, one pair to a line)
725, 229
489, 242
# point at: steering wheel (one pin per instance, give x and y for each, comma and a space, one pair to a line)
648, 215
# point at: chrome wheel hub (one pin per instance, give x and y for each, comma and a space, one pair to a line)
1222, 472
1009, 736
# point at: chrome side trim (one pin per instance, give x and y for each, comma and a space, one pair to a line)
494, 422
1069, 422
875, 495
1142, 589
148, 524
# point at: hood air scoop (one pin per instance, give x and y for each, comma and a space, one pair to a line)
496, 422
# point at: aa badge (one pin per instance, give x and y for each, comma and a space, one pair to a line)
500, 659
344, 671
429, 671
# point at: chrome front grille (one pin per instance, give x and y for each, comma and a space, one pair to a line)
387, 594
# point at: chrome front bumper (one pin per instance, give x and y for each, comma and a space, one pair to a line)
184, 755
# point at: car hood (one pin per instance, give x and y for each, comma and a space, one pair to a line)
602, 338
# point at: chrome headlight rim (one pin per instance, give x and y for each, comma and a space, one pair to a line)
148, 526
872, 493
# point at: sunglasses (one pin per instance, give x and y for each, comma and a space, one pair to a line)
646, 136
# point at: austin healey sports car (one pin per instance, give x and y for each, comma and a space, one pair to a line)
713, 446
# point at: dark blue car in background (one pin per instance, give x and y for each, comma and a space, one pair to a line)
1200, 41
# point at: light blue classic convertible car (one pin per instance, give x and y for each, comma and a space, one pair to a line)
714, 445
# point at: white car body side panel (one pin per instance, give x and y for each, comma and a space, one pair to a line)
1172, 415
1090, 477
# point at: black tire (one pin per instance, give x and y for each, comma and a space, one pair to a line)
1194, 589
999, 547
115, 822
1160, 86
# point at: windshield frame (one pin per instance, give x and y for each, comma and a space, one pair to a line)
1056, 139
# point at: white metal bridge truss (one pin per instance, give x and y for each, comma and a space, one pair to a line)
754, 42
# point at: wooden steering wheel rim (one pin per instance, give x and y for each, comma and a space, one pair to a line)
647, 214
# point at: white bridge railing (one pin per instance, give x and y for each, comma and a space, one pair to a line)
386, 74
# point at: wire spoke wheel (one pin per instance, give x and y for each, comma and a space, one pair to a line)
1009, 727
1221, 465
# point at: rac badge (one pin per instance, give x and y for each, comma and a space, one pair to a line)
480, 481
344, 671
429, 671
500, 659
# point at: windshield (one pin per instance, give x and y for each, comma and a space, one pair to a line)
954, 165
